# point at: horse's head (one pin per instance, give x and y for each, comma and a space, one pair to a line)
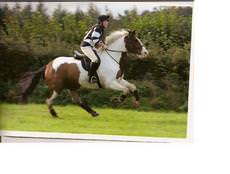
126, 41
134, 45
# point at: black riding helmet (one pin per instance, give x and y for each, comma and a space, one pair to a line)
102, 18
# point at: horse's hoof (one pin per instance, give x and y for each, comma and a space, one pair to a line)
53, 113
136, 104
94, 114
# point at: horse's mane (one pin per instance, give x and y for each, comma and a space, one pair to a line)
115, 35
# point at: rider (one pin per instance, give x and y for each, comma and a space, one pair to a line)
94, 39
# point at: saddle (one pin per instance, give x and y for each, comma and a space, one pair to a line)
85, 62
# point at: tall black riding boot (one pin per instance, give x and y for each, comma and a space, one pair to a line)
92, 72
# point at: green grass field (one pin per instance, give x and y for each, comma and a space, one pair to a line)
72, 119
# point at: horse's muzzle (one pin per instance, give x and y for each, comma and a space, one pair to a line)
144, 53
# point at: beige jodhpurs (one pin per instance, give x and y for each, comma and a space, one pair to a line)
90, 53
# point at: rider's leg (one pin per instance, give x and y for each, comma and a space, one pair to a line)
92, 54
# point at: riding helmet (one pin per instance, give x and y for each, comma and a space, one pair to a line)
102, 18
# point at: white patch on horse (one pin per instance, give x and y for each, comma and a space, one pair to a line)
49, 101
144, 51
61, 60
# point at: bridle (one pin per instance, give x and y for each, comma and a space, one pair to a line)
116, 51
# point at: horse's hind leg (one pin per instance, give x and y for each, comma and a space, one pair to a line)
77, 100
49, 102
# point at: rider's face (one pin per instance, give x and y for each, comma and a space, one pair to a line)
105, 23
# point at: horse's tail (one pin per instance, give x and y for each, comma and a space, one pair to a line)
28, 82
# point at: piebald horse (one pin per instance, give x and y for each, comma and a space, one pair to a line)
68, 73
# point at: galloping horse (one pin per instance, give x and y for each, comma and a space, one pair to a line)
68, 72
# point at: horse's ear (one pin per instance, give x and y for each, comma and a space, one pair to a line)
132, 33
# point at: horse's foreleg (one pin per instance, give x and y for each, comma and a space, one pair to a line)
133, 89
77, 100
49, 102
115, 85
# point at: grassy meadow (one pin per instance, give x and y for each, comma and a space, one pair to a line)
72, 119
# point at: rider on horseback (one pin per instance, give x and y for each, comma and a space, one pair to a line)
94, 39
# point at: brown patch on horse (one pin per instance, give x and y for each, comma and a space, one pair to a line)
123, 65
66, 76
132, 43
119, 74
49, 76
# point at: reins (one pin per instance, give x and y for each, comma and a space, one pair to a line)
115, 51
112, 56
